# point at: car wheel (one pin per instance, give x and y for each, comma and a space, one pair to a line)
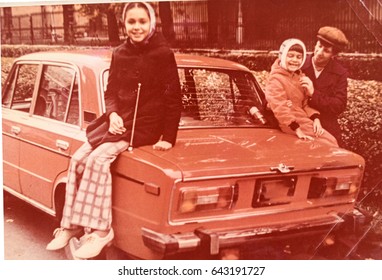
59, 200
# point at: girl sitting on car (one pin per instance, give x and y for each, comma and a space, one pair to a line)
143, 106
286, 96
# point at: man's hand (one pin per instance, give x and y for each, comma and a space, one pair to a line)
162, 146
307, 84
116, 124
317, 127
302, 135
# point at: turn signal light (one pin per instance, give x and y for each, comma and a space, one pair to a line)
211, 198
332, 186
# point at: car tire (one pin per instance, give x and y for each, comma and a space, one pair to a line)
59, 201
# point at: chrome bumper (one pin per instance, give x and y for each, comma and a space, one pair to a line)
216, 240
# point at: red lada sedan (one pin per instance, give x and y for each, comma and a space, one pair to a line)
233, 182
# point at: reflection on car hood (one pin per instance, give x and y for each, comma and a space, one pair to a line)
225, 152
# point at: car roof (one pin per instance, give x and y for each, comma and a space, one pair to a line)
99, 57
189, 60
81, 58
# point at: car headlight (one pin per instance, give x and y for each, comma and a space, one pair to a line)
333, 186
210, 198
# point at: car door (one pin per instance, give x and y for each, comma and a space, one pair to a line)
48, 131
16, 103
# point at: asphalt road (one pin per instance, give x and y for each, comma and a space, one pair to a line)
27, 230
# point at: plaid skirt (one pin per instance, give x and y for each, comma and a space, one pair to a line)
88, 189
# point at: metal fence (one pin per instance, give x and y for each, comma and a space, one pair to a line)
37, 28
222, 24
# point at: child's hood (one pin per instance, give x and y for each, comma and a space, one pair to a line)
285, 47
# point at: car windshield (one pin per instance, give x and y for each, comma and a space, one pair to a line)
219, 98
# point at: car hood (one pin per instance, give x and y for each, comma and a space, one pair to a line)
228, 152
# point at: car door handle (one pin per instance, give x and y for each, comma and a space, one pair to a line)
62, 144
15, 130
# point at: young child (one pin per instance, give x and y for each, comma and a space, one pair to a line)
286, 96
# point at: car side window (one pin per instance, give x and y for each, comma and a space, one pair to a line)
57, 96
19, 94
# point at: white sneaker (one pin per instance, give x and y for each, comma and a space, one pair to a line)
61, 238
73, 245
93, 245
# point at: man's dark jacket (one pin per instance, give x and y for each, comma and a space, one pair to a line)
153, 66
330, 94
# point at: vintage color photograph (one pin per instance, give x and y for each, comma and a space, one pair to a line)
192, 130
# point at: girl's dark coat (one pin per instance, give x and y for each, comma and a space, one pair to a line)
153, 66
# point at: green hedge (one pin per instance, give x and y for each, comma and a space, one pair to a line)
361, 66
18, 50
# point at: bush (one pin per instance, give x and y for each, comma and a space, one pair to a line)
19, 50
362, 126
361, 66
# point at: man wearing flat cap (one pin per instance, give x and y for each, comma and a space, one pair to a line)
326, 79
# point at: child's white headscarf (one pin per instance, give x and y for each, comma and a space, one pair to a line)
284, 48
151, 15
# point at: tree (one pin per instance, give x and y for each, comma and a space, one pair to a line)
220, 20
112, 24
95, 13
68, 11
7, 35
165, 14
213, 21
